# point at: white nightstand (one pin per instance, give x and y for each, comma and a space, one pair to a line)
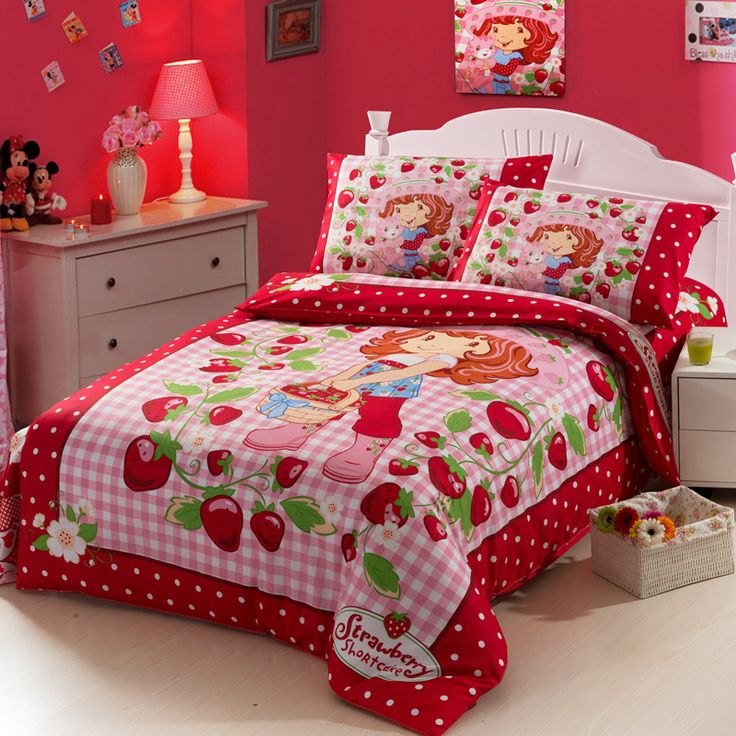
77, 309
704, 415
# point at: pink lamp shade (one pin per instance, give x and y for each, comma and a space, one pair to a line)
183, 92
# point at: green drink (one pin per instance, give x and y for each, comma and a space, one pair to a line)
700, 347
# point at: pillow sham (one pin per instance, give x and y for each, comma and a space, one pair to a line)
408, 216
628, 256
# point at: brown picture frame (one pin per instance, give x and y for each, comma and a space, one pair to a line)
292, 28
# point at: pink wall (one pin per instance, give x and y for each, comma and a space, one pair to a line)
69, 122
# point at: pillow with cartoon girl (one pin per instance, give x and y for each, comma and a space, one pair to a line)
408, 216
628, 256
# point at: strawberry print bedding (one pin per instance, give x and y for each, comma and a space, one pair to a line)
351, 464
625, 255
408, 216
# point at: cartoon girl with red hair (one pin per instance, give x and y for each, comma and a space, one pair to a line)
394, 373
521, 36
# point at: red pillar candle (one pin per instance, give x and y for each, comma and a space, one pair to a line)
100, 211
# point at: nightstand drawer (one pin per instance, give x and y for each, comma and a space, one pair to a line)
107, 341
137, 276
705, 402
709, 457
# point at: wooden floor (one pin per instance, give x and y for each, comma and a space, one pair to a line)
584, 658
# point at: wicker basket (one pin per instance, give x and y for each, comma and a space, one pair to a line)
702, 549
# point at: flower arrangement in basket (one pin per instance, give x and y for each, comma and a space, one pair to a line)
652, 528
127, 173
131, 128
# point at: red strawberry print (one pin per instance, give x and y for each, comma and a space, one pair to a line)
490, 257
219, 365
562, 198
616, 200
292, 340
387, 502
217, 461
458, 252
445, 244
638, 252
420, 271
435, 528
355, 173
444, 479
289, 470
592, 203
540, 75
272, 367
357, 328
531, 207
508, 421
345, 198
459, 175
407, 167
350, 225
268, 528
429, 439
513, 262
440, 266
396, 624
480, 440
557, 452
612, 269
364, 199
141, 470
361, 263
598, 378
458, 162
515, 221
435, 168
510, 493
347, 239
510, 197
616, 212
496, 217
486, 278
475, 193
584, 296
604, 290
594, 421
395, 467
588, 278
224, 378
280, 350
349, 547
464, 232
347, 262
557, 88
370, 240
500, 281
439, 180
460, 12
377, 181
222, 519
631, 234
480, 506
633, 267
156, 410
641, 220
224, 415
496, 244
558, 343
228, 338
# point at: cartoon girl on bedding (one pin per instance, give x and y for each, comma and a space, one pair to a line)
422, 216
394, 373
521, 36
568, 244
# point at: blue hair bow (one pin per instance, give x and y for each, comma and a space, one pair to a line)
278, 404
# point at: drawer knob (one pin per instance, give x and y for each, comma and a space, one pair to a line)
112, 344
111, 282
215, 262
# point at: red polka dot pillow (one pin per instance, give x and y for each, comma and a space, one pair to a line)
408, 216
628, 256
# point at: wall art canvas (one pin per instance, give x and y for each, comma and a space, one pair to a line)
510, 48
710, 28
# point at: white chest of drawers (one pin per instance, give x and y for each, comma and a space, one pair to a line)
77, 309
704, 415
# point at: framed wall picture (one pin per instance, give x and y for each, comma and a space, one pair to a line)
710, 29
293, 28
510, 48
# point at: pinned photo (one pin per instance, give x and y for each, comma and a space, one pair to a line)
52, 76
35, 9
73, 28
130, 13
111, 58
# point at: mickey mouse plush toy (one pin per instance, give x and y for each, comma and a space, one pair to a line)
44, 197
15, 169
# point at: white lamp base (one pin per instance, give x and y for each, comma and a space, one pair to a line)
187, 196
187, 193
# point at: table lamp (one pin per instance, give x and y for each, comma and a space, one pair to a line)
184, 92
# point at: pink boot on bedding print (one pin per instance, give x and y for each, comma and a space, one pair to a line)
356, 464
285, 437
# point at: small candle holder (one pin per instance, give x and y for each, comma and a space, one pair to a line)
70, 226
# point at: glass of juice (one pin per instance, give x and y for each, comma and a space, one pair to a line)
700, 347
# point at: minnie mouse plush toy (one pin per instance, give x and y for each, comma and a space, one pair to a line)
15, 169
44, 197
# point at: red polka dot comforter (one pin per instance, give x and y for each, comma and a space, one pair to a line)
350, 463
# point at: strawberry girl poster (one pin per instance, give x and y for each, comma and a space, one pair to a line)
510, 48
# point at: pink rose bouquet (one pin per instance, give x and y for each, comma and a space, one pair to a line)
132, 128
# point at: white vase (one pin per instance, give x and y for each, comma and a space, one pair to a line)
126, 180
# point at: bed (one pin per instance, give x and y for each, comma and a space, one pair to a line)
254, 472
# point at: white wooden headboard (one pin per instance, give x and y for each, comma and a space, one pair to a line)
589, 155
